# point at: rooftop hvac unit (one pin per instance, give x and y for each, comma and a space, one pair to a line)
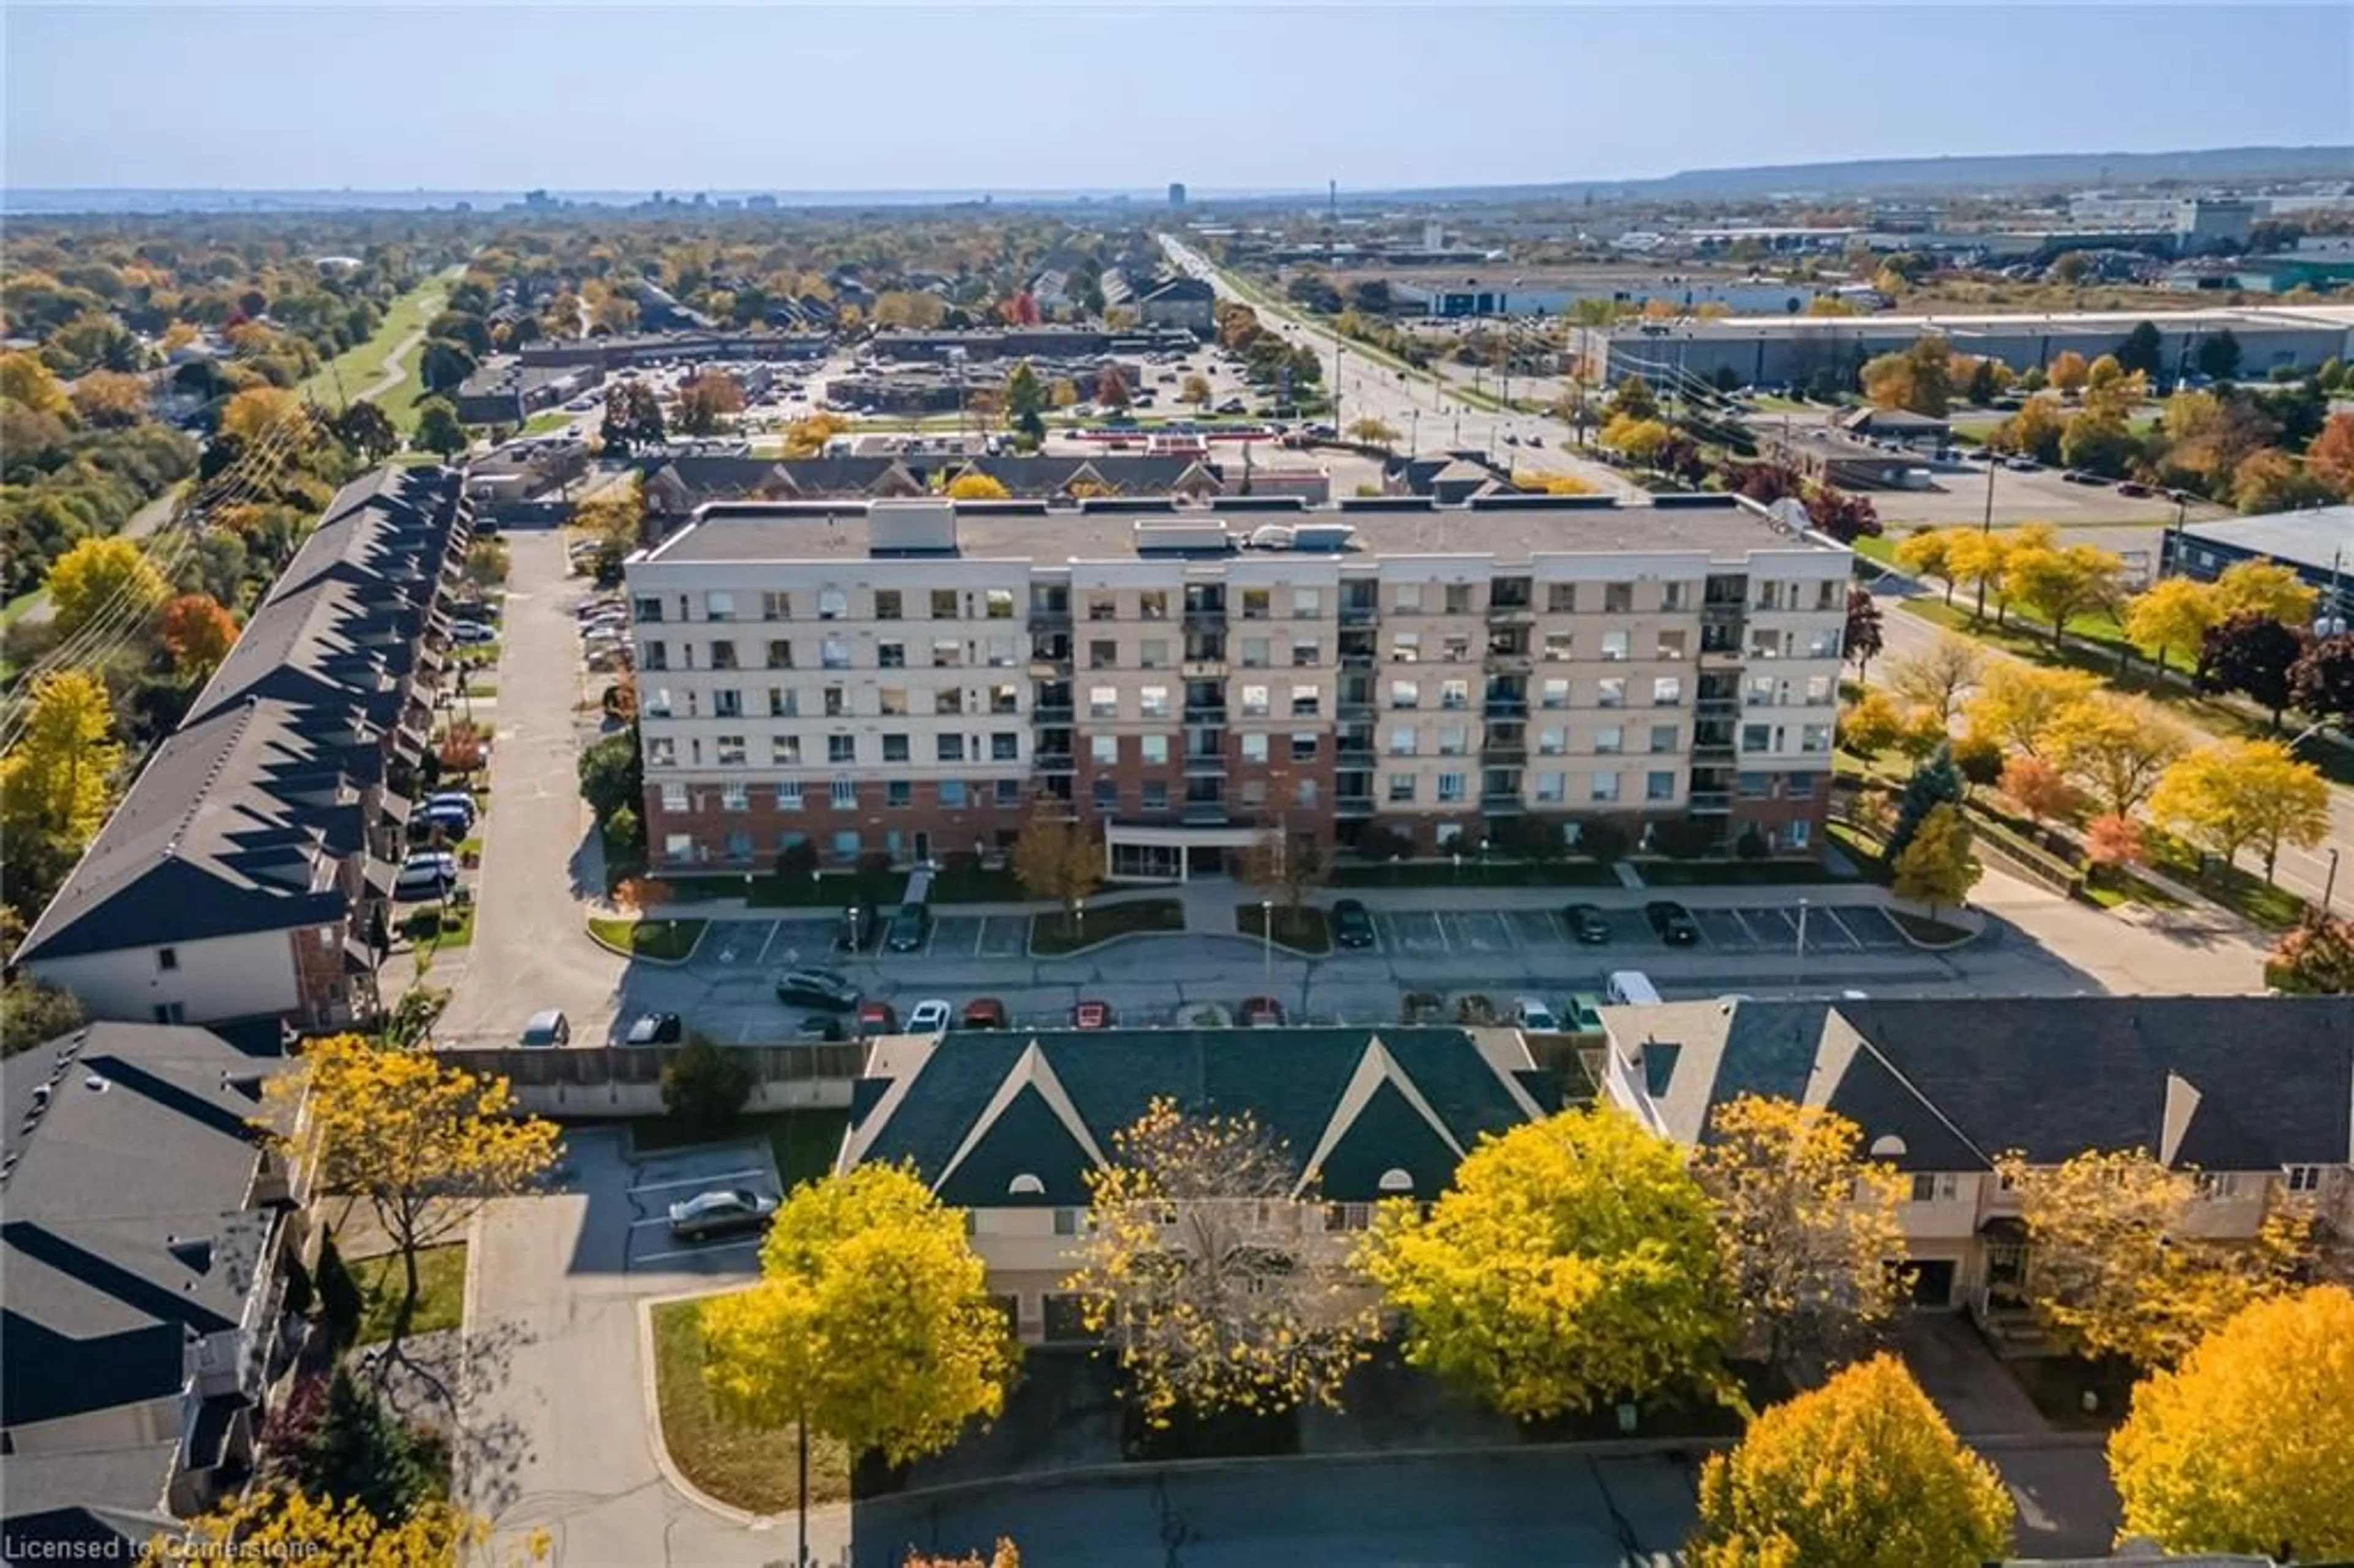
1166, 537
1328, 538
1270, 536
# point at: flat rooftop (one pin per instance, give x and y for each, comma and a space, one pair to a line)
2321, 537
2239, 318
734, 532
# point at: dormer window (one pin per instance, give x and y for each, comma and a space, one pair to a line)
1025, 1185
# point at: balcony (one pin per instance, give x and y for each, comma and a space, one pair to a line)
1050, 620
1202, 669
1719, 752
1354, 751
1051, 713
1359, 614
1511, 614
1204, 814
1712, 803
1206, 764
1506, 707
1504, 752
1717, 707
1503, 804
1352, 805
1201, 620
1205, 712
1520, 664
1054, 762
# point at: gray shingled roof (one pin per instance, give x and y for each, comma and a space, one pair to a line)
1294, 1081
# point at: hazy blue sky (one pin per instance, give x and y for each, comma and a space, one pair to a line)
881, 96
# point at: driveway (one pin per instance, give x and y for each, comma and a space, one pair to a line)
531, 949
559, 1395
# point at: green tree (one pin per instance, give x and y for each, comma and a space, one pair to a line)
1632, 399
364, 1453
1936, 782
705, 1085
439, 429
34, 1012
2243, 1449
2218, 357
872, 1324
1862, 1472
612, 774
1026, 402
104, 578
2143, 350
1936, 866
1573, 1261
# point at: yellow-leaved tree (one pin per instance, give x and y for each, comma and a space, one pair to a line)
1207, 1270
1859, 1473
425, 1143
974, 485
2016, 704
2172, 616
2124, 1265
2244, 1447
1574, 1262
2243, 794
104, 578
2261, 588
1807, 1224
1057, 857
1937, 866
1937, 677
2117, 748
272, 1524
872, 1324
256, 411
54, 783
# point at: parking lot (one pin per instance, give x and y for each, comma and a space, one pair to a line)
972, 936
1762, 929
657, 1181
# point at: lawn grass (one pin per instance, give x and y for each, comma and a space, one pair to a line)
19, 605
359, 368
2244, 892
666, 940
1302, 930
456, 931
1472, 872
745, 1467
1052, 934
440, 1291
1865, 851
803, 1142
548, 420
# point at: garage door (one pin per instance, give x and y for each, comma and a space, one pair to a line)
1933, 1283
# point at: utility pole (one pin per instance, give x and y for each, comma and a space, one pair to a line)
1986, 528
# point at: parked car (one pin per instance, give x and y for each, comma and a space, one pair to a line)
930, 1016
1260, 1013
877, 1018
1530, 1012
2081, 476
983, 1013
1585, 1013
817, 988
471, 632
1234, 406
2022, 464
726, 1211
909, 927
1091, 1015
546, 1027
1352, 927
453, 804
655, 1029
427, 875
856, 934
1588, 926
2134, 488
1673, 922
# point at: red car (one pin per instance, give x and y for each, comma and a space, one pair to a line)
1091, 1015
877, 1018
1260, 1013
984, 1013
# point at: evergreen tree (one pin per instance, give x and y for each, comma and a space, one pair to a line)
364, 1453
1936, 782
339, 1294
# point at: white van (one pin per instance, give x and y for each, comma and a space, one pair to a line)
1631, 988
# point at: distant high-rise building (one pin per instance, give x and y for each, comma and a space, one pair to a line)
1332, 198
1176, 193
1433, 235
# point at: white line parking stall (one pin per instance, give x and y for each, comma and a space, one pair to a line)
1481, 931
1417, 932
735, 944
957, 937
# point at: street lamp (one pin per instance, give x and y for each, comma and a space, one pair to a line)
1802, 945
1080, 917
1266, 938
2329, 882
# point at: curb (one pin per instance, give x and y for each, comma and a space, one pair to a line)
679, 962
1029, 950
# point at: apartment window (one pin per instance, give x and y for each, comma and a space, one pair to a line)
1551, 742
1005, 700
1409, 598
1307, 603
657, 656
837, 702
887, 605
998, 604
1305, 701
1103, 654
1675, 596
1554, 694
894, 748
832, 604
1153, 749
1617, 598
891, 655
726, 702
1611, 693
2218, 1186
1756, 737
1254, 652
673, 796
731, 751
1400, 789
1605, 787
944, 604
1454, 694
1815, 739
894, 701
788, 791
842, 749
1935, 1186
1823, 645
1613, 645
1152, 604
843, 794
1103, 749
784, 751
167, 959
949, 700
948, 748
898, 793
1452, 740
1560, 598
645, 606
1303, 794
1667, 690
1103, 701
1454, 649
1105, 794
1254, 748
1659, 787
1458, 598
1153, 701
783, 704
948, 653
723, 655
1671, 645
718, 605
1257, 603
1406, 694
2303, 1177
780, 654
1008, 791
1560, 645
1102, 605
662, 751
1450, 789
1253, 793
1663, 738
1152, 654
1255, 702
1406, 647
1303, 748
1819, 689
1759, 691
834, 653
733, 796
1402, 740
1552, 788
1306, 653
1004, 746
952, 793
1154, 795
845, 844
1609, 740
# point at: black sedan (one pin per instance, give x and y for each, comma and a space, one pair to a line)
1673, 922
817, 988
1352, 927
1588, 926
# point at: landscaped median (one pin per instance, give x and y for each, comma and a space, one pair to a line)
1054, 935
657, 941
440, 1291
752, 1468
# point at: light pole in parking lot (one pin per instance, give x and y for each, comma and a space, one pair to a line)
1801, 980
1266, 940
1079, 922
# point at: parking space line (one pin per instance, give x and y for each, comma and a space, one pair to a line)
1839, 933
981, 934
1438, 924
704, 1181
776, 929
706, 1250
